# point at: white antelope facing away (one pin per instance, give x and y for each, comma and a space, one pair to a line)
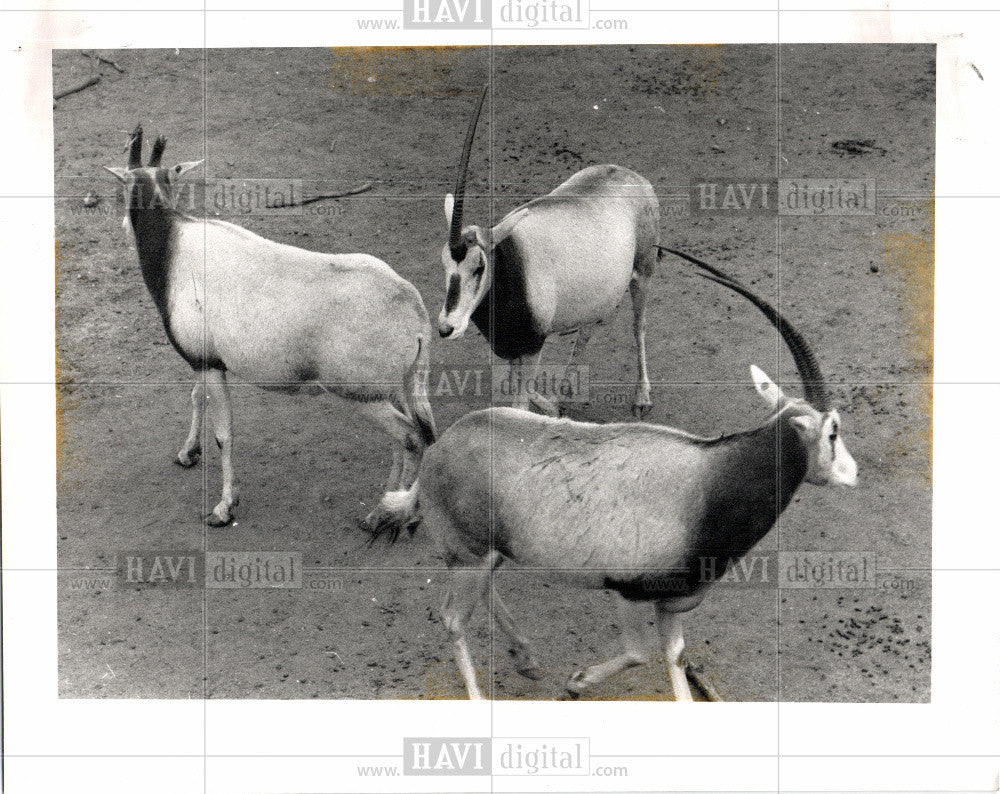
281, 317
558, 264
633, 508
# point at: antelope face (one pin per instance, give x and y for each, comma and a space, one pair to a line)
149, 187
829, 461
468, 274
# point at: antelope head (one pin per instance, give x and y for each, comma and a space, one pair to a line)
150, 187
829, 461
466, 257
817, 425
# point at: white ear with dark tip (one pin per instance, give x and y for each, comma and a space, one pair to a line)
767, 388
117, 173
449, 207
182, 168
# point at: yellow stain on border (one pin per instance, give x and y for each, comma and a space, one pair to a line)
396, 71
429, 71
707, 67
910, 259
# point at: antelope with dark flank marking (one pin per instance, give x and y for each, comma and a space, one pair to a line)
558, 264
633, 508
279, 316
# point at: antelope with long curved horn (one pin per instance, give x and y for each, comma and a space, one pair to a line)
638, 509
557, 264
279, 316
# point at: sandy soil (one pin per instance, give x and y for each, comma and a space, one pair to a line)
858, 288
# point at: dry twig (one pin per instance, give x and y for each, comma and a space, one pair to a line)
81, 87
101, 59
363, 189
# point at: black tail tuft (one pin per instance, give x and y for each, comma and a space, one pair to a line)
416, 396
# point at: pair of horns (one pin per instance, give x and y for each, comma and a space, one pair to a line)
805, 361
135, 149
455, 243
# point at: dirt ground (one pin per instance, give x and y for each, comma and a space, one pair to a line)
859, 288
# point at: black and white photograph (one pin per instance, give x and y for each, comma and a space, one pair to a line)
500, 304
579, 376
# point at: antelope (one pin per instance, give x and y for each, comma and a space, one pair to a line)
280, 316
557, 264
631, 507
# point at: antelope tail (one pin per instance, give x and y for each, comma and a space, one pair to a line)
415, 394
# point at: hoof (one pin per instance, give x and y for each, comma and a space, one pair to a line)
525, 665
215, 519
189, 460
575, 685
640, 412
381, 522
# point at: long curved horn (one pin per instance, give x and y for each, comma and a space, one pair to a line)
156, 155
455, 234
135, 148
805, 361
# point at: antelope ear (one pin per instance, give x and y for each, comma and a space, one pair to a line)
182, 168
117, 173
449, 207
767, 388
804, 424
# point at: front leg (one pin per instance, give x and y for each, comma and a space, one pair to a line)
520, 647
467, 586
638, 289
191, 451
221, 408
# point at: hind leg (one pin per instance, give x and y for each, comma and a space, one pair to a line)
395, 472
191, 450
397, 508
520, 648
638, 289
468, 586
580, 343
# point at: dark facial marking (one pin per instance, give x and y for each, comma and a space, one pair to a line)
454, 290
